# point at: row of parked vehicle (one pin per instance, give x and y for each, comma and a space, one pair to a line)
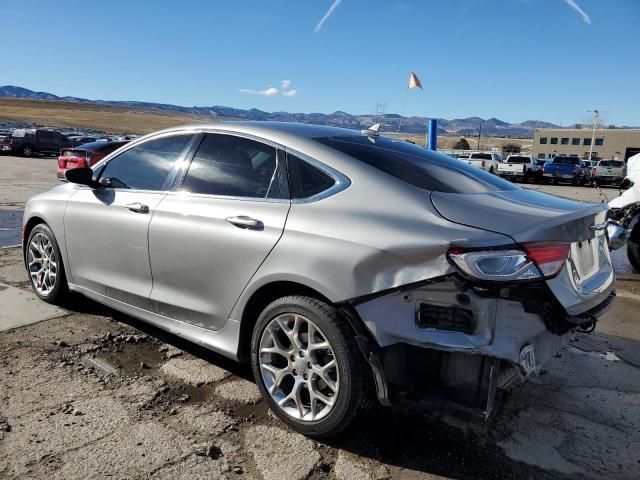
561, 168
28, 142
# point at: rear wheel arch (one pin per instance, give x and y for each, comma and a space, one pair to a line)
259, 300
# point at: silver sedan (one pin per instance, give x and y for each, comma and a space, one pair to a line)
345, 266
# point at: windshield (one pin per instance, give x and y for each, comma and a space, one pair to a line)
481, 156
416, 165
611, 163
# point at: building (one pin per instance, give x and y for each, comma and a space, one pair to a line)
610, 143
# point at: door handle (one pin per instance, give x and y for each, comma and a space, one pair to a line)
246, 222
138, 207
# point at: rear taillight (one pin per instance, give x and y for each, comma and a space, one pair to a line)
483, 163
61, 162
575, 168
624, 171
548, 256
532, 261
11, 141
593, 171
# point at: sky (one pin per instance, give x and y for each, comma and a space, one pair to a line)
516, 60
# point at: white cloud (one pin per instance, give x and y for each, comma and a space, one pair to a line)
267, 92
577, 8
271, 91
332, 8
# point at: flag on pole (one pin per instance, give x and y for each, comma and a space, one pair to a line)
414, 81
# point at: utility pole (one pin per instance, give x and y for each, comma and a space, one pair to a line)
479, 135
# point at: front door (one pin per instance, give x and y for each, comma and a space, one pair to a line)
208, 239
107, 229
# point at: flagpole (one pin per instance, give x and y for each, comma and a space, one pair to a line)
404, 105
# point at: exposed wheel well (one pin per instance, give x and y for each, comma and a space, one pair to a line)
33, 221
259, 300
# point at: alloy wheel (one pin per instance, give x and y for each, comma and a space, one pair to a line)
298, 367
42, 263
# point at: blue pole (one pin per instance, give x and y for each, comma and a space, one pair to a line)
433, 134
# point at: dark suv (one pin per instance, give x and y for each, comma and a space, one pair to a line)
30, 141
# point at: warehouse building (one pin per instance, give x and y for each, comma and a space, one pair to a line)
609, 143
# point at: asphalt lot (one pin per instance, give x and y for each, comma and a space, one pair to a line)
86, 392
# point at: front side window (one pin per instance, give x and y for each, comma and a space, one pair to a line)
145, 166
227, 165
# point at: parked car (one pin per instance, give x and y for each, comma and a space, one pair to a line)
488, 161
30, 141
5, 142
338, 263
608, 172
81, 140
521, 167
85, 155
566, 169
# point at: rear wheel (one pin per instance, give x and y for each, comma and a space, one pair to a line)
27, 151
44, 266
633, 248
308, 366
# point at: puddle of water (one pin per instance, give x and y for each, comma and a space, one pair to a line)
10, 227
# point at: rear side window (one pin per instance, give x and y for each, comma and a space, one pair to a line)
146, 166
232, 166
305, 180
416, 165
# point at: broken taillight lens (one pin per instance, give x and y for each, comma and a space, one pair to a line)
533, 261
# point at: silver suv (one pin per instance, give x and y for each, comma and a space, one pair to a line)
344, 266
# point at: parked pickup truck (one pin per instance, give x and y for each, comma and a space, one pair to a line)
521, 167
608, 172
564, 168
30, 141
488, 161
5, 142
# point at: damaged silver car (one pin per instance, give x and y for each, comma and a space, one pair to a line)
343, 265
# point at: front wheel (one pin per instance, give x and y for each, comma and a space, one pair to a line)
44, 266
28, 151
633, 248
308, 367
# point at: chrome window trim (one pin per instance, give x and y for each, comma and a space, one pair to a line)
342, 181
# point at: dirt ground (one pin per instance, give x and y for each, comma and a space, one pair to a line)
91, 393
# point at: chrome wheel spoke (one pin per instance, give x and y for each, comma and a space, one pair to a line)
42, 264
302, 377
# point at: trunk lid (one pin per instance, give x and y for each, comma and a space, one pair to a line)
529, 216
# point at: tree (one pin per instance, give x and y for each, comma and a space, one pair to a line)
461, 144
509, 148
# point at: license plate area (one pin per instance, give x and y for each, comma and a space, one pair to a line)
585, 256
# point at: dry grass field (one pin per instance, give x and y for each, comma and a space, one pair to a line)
107, 118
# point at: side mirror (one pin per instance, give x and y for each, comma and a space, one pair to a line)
81, 176
626, 183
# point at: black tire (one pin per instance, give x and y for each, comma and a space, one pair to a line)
490, 169
633, 248
60, 293
354, 374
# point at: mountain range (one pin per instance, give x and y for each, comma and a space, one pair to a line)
417, 125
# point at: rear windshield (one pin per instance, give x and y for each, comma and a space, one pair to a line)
570, 160
611, 163
518, 160
481, 156
102, 147
416, 165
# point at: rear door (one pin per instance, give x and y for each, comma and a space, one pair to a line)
107, 229
209, 236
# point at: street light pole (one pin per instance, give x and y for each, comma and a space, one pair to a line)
596, 119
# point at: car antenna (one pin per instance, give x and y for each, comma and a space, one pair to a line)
372, 131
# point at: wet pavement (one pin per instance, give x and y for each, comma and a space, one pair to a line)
10, 227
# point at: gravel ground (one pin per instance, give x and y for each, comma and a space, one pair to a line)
92, 393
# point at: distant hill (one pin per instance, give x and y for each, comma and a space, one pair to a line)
417, 125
